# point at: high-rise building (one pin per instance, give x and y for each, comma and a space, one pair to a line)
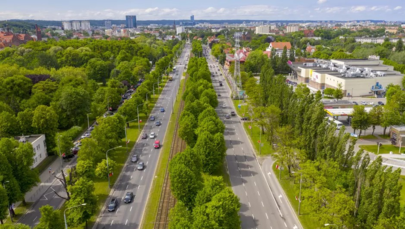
67, 25
262, 29
192, 19
180, 29
107, 24
292, 28
76, 25
85, 25
131, 21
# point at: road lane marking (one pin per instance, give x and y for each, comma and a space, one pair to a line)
116, 212
280, 196
131, 177
243, 184
267, 216
34, 219
246, 193
285, 224
253, 216
130, 209
141, 177
255, 183
149, 155
250, 205
112, 222
146, 163
139, 186
269, 174
262, 204
126, 222
258, 193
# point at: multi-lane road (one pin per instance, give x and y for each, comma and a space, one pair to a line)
262, 202
133, 180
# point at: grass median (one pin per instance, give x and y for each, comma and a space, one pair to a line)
156, 189
384, 149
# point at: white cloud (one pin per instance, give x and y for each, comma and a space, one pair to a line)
398, 8
321, 1
357, 9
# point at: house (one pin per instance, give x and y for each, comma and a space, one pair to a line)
278, 47
310, 49
38, 144
8, 39
241, 54
308, 33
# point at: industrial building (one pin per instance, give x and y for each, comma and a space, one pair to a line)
356, 77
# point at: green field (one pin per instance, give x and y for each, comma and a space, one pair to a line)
243, 110
254, 135
384, 149
368, 137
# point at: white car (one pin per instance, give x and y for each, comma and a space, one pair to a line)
223, 105
152, 135
371, 103
363, 103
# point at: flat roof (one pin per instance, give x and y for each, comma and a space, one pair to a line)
399, 128
30, 138
338, 102
344, 111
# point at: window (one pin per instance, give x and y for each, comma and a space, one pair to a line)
40, 155
44, 143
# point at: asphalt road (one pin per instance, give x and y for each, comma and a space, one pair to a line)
133, 180
260, 207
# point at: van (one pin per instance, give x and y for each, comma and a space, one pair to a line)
338, 124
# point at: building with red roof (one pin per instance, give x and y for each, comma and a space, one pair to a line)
278, 47
8, 39
242, 54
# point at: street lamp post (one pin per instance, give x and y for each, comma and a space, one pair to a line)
137, 111
88, 122
64, 212
106, 155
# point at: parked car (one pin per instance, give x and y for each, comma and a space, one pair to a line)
85, 135
162, 109
112, 205
223, 105
355, 103
134, 158
158, 123
152, 118
144, 136
363, 103
233, 113
227, 116
129, 196
244, 118
64, 156
75, 150
157, 144
381, 103
140, 166
152, 135
219, 94
371, 103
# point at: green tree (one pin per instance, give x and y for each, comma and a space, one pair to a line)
302, 90
376, 117
391, 116
50, 218
286, 154
45, 121
187, 128
82, 192
16, 89
8, 125
91, 151
255, 61
329, 92
5, 107
211, 150
98, 70
86, 168
102, 171
24, 119
338, 92
399, 46
180, 217
109, 132
361, 119
3, 204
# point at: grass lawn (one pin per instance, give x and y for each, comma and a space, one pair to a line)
368, 137
156, 189
44, 165
254, 135
384, 136
19, 211
402, 197
292, 189
243, 110
384, 149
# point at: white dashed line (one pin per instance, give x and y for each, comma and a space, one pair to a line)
250, 205
127, 187
112, 222
34, 219
262, 204
255, 183
246, 193
285, 224
258, 193
146, 163
141, 177
131, 177
139, 186
130, 209
253, 216
267, 216
243, 184
149, 155
126, 222
116, 212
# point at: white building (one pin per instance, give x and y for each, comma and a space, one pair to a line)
38, 144
180, 30
67, 25
76, 25
292, 28
278, 47
262, 29
85, 25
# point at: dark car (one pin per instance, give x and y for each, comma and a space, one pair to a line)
227, 116
152, 118
112, 205
140, 166
355, 103
128, 197
162, 109
380, 103
244, 118
75, 150
233, 113
144, 136
158, 123
65, 157
134, 158
219, 94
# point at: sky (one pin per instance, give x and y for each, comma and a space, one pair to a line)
389, 10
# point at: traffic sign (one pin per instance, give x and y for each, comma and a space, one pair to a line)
239, 106
258, 141
250, 127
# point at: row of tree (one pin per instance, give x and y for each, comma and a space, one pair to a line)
339, 186
204, 201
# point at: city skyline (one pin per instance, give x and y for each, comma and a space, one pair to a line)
208, 10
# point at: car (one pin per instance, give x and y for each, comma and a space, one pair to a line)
144, 136
162, 109
158, 123
129, 196
219, 94
91, 128
371, 103
152, 135
223, 105
112, 205
227, 116
64, 156
157, 144
134, 158
152, 118
77, 143
140, 166
244, 118
363, 103
380, 103
233, 113
355, 103
85, 135
75, 150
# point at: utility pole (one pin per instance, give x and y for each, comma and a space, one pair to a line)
299, 198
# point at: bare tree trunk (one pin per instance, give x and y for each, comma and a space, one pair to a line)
373, 130
385, 128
